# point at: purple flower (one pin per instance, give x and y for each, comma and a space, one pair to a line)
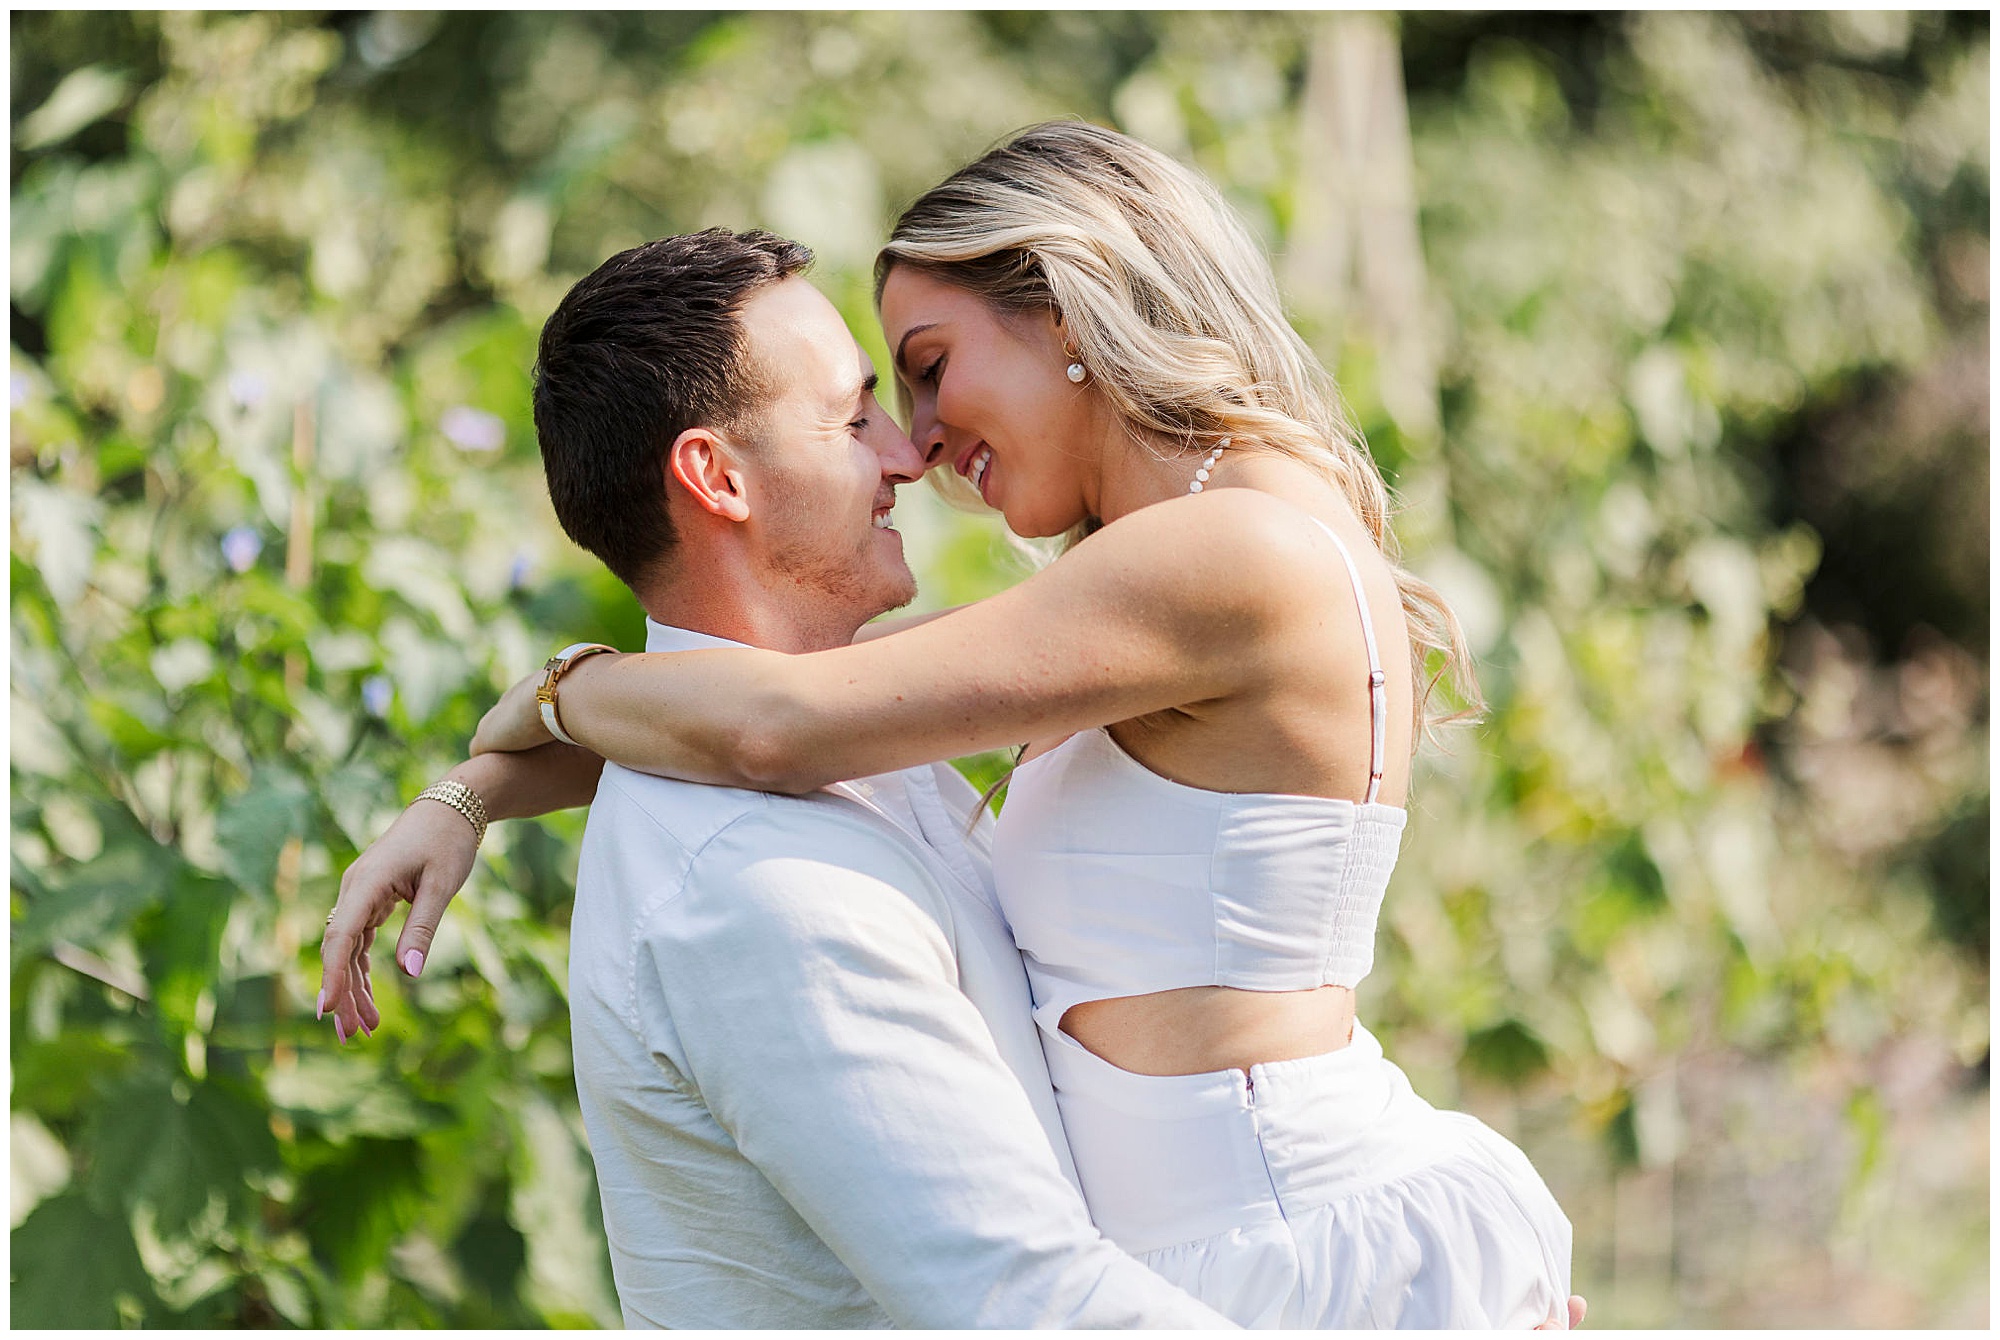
246, 389
240, 548
473, 429
517, 574
19, 388
376, 695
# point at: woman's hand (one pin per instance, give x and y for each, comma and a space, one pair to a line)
423, 860
515, 722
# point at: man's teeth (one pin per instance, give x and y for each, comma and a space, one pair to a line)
981, 460
884, 521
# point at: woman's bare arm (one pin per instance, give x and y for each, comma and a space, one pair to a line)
1166, 607
553, 777
902, 623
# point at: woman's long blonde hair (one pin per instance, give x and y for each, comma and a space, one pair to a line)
1172, 305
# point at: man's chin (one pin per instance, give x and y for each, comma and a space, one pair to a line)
899, 588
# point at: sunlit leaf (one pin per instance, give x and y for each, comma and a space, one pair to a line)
81, 98
97, 898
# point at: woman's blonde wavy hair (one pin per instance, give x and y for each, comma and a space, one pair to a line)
1172, 305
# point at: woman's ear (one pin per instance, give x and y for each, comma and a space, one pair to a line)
703, 465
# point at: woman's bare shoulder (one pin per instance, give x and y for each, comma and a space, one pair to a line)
1243, 542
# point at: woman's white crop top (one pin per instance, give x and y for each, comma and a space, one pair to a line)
1119, 882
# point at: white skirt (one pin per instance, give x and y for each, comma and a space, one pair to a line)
1317, 1193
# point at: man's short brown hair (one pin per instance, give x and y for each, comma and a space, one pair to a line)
643, 348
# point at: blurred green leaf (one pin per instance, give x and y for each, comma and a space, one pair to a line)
56, 1077
178, 941
1509, 1052
254, 826
71, 1264
343, 1097
131, 736
172, 1146
360, 1201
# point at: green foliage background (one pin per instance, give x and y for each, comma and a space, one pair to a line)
1704, 468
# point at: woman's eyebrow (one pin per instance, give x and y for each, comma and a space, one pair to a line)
903, 343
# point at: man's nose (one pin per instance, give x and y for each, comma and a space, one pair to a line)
902, 460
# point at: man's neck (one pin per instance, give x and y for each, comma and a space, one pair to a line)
743, 617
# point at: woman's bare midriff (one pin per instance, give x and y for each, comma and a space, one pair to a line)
1200, 1029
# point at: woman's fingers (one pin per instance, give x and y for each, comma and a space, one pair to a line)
371, 1017
336, 958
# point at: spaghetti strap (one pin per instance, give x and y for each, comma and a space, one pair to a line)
1378, 690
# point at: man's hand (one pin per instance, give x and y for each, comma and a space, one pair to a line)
422, 860
515, 722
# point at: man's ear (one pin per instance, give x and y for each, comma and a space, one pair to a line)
710, 472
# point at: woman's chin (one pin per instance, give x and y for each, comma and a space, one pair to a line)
1040, 524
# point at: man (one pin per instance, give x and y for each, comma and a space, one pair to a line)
804, 1051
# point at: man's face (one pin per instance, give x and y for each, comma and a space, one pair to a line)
827, 458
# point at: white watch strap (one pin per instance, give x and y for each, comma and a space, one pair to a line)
558, 668
555, 727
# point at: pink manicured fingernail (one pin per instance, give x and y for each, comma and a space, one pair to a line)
338, 1031
319, 1007
413, 961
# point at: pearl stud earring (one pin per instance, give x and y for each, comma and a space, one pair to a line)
1075, 371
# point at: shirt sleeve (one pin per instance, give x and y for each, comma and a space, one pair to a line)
814, 1002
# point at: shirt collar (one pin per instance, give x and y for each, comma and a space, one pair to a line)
667, 637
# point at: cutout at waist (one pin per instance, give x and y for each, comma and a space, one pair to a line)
1201, 1029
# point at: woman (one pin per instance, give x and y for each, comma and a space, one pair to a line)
1219, 679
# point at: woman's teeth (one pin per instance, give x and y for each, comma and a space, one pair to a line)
981, 461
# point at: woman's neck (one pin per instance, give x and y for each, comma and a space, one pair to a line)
1135, 475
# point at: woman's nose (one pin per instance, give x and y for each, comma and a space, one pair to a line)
928, 434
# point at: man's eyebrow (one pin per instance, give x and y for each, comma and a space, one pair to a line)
903, 343
862, 387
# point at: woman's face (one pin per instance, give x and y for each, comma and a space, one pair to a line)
992, 392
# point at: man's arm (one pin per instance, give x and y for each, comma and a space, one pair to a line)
815, 1004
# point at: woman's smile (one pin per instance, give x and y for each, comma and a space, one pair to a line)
976, 464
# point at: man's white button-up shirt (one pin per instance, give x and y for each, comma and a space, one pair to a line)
809, 1072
